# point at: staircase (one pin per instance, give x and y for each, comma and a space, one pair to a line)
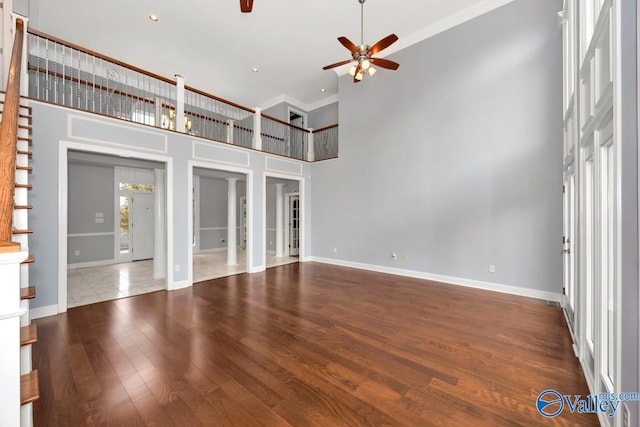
15, 143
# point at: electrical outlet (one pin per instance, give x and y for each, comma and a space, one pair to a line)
177, 267
394, 255
77, 253
492, 268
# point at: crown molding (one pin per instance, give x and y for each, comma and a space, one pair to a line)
297, 103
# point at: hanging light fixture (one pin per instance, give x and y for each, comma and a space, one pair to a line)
363, 54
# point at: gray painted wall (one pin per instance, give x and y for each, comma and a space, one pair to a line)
52, 124
214, 210
454, 160
324, 116
91, 190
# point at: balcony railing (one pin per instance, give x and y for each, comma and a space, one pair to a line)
66, 74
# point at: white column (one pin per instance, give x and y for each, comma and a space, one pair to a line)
257, 129
180, 122
311, 156
232, 246
230, 131
159, 229
279, 221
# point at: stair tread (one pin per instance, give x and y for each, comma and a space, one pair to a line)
29, 390
28, 334
26, 153
28, 293
22, 231
29, 260
23, 207
27, 186
24, 168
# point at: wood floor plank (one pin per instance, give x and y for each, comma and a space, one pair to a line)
306, 345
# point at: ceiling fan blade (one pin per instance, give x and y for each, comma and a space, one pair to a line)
337, 64
358, 70
385, 63
383, 44
246, 6
348, 44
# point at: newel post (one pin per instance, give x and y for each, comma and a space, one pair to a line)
311, 154
257, 129
180, 120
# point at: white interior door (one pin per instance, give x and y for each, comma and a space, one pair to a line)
294, 225
142, 226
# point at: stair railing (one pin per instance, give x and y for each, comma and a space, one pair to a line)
9, 136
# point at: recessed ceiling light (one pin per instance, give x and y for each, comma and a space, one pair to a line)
255, 69
153, 17
323, 90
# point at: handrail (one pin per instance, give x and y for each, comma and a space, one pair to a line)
9, 135
203, 113
325, 128
99, 55
217, 98
277, 120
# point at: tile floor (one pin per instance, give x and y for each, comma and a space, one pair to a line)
103, 283
94, 284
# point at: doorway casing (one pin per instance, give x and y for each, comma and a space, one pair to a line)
63, 169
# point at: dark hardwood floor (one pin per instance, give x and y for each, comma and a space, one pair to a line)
306, 345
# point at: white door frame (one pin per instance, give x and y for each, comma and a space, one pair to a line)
301, 113
191, 164
303, 209
63, 207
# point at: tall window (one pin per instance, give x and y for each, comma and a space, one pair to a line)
589, 282
607, 268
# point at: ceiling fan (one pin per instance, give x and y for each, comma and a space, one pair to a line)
363, 54
246, 6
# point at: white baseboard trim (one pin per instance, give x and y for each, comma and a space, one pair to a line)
470, 283
257, 269
91, 264
46, 311
179, 285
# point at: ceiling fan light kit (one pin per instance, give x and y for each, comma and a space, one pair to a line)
363, 54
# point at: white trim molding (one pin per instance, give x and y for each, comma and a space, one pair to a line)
46, 311
458, 281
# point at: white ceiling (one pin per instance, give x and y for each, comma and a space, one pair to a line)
214, 46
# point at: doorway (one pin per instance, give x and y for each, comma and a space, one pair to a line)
135, 217
110, 223
283, 221
219, 219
